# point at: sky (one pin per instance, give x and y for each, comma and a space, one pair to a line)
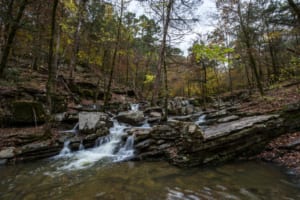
204, 25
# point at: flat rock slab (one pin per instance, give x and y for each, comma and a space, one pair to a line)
92, 120
234, 126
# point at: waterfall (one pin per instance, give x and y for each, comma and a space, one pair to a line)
110, 147
66, 151
200, 120
73, 130
127, 151
81, 146
134, 107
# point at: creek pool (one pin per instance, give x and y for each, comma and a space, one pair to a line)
145, 180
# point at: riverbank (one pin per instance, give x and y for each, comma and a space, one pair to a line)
236, 125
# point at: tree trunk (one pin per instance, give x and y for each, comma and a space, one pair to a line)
6, 25
76, 38
249, 51
116, 49
51, 71
162, 64
11, 35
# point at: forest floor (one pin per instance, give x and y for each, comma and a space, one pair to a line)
284, 150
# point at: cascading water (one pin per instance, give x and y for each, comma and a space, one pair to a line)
134, 107
107, 147
66, 151
73, 130
200, 120
81, 146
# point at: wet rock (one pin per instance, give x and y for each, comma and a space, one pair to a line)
8, 152
135, 118
228, 119
3, 161
155, 114
217, 114
59, 117
185, 144
144, 144
91, 121
226, 128
156, 109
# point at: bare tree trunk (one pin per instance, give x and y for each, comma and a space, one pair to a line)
204, 89
115, 52
11, 35
6, 25
249, 50
57, 54
51, 71
76, 38
157, 82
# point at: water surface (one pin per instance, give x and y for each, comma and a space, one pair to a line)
145, 180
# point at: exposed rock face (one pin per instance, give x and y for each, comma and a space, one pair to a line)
26, 144
91, 121
184, 144
135, 118
27, 112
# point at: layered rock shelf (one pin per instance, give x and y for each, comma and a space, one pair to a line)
184, 144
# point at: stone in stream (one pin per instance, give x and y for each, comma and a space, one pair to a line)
8, 152
134, 118
91, 121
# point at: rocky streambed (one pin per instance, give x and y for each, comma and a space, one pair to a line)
195, 138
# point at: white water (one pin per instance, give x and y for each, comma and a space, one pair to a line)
134, 107
200, 120
107, 147
73, 130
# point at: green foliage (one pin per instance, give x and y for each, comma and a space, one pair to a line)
149, 78
211, 52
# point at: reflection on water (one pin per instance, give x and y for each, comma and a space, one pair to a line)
145, 180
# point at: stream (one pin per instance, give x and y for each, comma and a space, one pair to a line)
105, 172
145, 180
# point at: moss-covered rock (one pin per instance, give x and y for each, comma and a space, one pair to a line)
28, 112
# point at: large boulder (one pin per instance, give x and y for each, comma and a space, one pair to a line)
134, 118
90, 122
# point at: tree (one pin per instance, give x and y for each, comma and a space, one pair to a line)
51, 71
12, 29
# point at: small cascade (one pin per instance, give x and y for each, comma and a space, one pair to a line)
127, 151
134, 107
81, 146
146, 125
66, 151
73, 130
102, 140
200, 120
109, 147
